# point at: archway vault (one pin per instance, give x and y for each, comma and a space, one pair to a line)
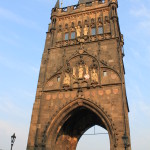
70, 123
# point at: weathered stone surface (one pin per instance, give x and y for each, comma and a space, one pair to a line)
81, 81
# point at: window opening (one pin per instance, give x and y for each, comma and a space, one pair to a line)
100, 30
93, 31
58, 79
66, 36
72, 35
92, 140
101, 1
104, 73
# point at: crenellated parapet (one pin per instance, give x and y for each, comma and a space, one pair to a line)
79, 7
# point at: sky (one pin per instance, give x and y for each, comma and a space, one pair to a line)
23, 27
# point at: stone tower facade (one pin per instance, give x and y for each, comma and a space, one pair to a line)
81, 81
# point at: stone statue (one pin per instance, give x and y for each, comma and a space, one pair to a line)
87, 69
66, 79
78, 31
94, 76
85, 30
74, 73
80, 72
87, 76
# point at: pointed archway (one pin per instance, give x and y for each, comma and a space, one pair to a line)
72, 121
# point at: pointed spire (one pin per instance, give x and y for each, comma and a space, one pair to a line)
57, 4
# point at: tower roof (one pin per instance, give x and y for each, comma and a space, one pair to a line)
85, 1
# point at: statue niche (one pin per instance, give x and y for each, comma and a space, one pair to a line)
87, 76
66, 81
85, 30
94, 72
80, 70
78, 31
94, 76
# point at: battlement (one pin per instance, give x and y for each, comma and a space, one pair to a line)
82, 7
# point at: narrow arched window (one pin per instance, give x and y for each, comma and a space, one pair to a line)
93, 31
73, 35
100, 30
66, 36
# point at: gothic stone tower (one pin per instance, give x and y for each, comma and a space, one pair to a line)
81, 81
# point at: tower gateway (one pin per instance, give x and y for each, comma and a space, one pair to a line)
81, 81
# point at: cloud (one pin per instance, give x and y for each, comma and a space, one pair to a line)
9, 15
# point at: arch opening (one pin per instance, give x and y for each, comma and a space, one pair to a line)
79, 121
94, 138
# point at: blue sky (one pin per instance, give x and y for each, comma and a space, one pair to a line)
23, 27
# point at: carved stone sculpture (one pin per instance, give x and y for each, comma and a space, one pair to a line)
87, 69
66, 81
78, 31
94, 76
85, 30
74, 73
81, 72
87, 76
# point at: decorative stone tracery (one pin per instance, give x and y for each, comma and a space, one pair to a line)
80, 71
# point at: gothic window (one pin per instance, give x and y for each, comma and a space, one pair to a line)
93, 31
58, 79
101, 1
100, 30
66, 36
104, 73
72, 35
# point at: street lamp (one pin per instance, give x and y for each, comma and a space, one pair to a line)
13, 137
125, 140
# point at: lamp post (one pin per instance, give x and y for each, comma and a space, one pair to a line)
13, 137
125, 140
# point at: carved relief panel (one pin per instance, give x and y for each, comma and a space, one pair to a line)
80, 70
